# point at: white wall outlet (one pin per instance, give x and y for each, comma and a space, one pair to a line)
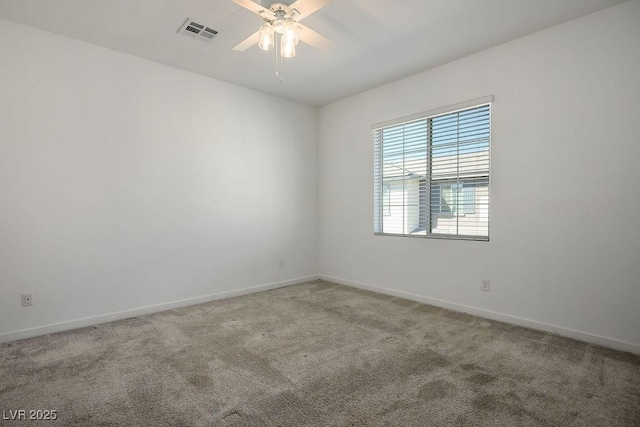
281, 263
27, 300
485, 285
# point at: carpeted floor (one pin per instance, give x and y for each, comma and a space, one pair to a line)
317, 354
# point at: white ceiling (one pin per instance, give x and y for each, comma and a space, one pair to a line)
377, 41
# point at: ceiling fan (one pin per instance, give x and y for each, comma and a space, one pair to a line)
281, 24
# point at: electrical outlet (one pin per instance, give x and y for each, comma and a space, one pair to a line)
281, 263
485, 285
27, 300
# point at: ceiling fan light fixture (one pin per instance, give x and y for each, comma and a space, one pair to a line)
291, 30
266, 40
287, 46
279, 25
281, 30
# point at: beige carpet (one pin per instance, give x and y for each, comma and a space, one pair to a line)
318, 354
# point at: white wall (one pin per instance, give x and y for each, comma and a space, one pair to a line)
126, 184
564, 253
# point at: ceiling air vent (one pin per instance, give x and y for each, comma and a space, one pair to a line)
198, 31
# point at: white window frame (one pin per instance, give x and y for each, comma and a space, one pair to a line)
380, 212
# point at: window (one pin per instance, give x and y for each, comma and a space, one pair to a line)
454, 198
431, 174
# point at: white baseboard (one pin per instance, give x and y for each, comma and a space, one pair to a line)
110, 317
528, 323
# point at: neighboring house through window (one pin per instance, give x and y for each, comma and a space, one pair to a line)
386, 199
431, 174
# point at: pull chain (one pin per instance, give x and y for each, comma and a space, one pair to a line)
278, 59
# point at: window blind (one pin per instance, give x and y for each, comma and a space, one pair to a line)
431, 175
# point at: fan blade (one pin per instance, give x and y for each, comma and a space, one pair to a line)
248, 42
307, 7
254, 7
312, 38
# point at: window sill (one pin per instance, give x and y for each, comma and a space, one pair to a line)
437, 236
